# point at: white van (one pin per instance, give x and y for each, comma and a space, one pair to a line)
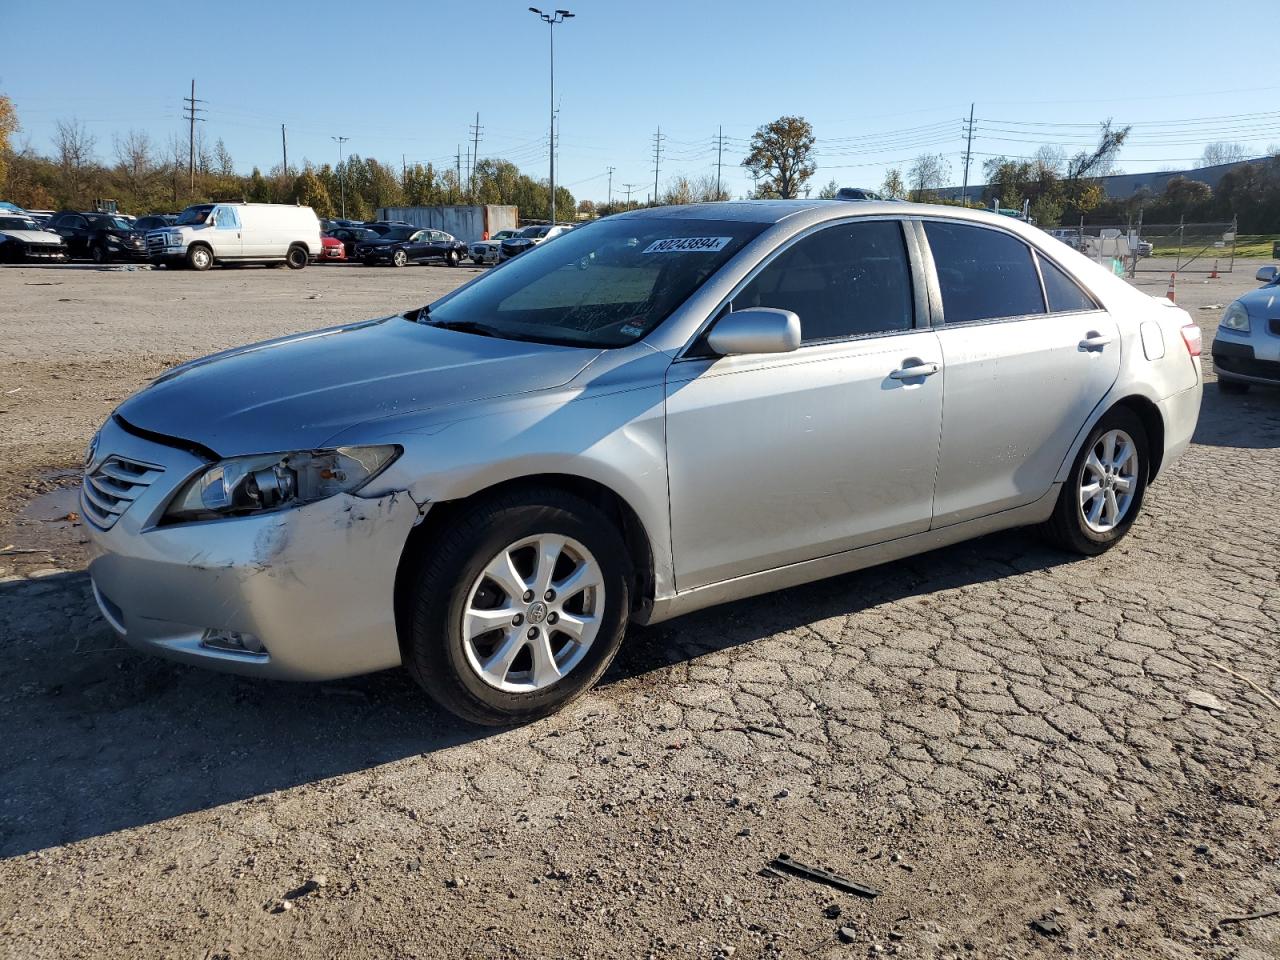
209, 233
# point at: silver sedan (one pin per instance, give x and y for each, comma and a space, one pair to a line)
1246, 348
660, 411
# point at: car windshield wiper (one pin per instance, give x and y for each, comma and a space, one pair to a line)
469, 326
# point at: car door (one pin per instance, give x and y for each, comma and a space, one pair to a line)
1022, 375
227, 235
779, 458
74, 229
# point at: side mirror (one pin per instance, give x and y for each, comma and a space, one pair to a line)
1267, 274
755, 330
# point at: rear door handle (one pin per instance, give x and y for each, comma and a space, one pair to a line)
914, 371
1095, 341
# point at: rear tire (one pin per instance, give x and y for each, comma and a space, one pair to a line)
199, 257
1082, 520
1233, 387
297, 257
98, 254
449, 578
399, 259
452, 258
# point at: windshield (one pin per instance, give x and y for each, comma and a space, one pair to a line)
17, 223
195, 215
533, 232
604, 285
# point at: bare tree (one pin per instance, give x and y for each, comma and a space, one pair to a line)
1051, 159
705, 190
1223, 151
133, 154
928, 175
1099, 163
678, 191
74, 146
222, 159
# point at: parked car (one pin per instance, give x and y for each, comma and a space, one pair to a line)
100, 237
331, 249
23, 240
486, 251
209, 233
351, 237
400, 246
330, 224
155, 221
529, 237
1246, 347
488, 488
382, 227
12, 208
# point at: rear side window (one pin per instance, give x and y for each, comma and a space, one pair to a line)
1065, 295
983, 273
848, 280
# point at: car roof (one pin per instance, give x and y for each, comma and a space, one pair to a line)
775, 211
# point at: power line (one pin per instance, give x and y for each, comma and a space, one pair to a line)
190, 112
657, 159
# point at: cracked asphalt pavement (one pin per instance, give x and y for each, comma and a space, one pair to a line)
994, 734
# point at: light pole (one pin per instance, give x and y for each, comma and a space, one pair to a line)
551, 19
342, 175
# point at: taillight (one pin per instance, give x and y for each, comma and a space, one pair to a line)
1191, 337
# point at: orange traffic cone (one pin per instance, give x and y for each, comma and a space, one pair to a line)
1214, 275
1169, 293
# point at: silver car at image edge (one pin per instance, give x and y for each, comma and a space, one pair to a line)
1246, 347
662, 410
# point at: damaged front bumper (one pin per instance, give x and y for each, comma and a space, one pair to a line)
310, 590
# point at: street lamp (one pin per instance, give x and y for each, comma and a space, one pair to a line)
551, 19
342, 175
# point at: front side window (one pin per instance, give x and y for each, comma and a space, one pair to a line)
193, 216
1065, 295
983, 273
849, 280
228, 219
605, 285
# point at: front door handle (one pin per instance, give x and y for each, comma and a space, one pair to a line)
916, 369
1095, 341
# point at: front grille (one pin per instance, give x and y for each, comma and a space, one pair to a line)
112, 486
155, 242
1247, 366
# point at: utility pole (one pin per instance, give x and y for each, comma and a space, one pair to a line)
404, 170
192, 111
475, 152
657, 159
630, 187
470, 168
342, 175
457, 161
968, 151
551, 19
719, 156
609, 202
284, 146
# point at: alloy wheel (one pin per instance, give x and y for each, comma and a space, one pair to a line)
532, 613
1108, 481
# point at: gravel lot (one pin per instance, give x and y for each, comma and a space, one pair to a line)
991, 734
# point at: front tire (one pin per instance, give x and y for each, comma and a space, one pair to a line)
1103, 493
199, 257
98, 254
452, 258
1233, 387
518, 607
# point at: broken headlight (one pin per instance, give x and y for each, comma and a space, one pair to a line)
271, 481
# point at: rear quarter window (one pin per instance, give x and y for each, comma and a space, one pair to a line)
983, 273
1065, 295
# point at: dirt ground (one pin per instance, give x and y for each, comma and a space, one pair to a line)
993, 734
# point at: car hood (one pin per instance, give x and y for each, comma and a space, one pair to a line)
33, 236
295, 393
1263, 302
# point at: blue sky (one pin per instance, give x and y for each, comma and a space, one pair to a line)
880, 83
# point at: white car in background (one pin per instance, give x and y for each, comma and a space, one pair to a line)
486, 251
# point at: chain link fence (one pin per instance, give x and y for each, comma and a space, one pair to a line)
1155, 247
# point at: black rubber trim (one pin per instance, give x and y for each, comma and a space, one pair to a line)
1225, 348
190, 446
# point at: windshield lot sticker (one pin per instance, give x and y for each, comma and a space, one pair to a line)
688, 245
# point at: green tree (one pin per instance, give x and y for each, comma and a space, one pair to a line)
829, 191
781, 157
309, 191
928, 175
